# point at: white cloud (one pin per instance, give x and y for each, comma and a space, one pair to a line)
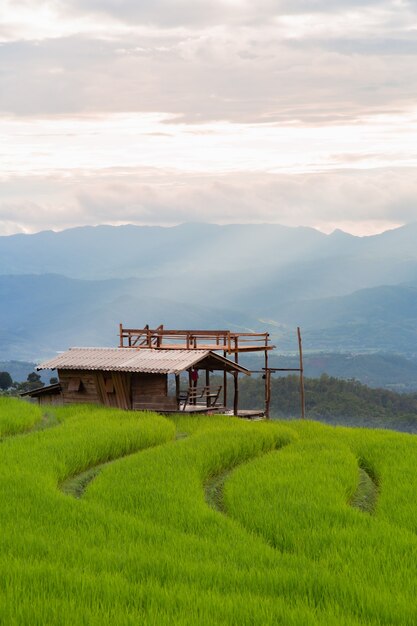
250, 93
159, 141
215, 76
199, 13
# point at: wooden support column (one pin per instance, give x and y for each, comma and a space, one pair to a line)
236, 394
208, 387
177, 389
236, 382
159, 332
190, 385
302, 394
267, 386
225, 384
269, 392
121, 335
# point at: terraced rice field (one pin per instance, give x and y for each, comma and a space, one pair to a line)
109, 517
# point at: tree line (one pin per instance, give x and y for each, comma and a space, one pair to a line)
331, 400
10, 387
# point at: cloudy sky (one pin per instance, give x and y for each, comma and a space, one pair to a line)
300, 112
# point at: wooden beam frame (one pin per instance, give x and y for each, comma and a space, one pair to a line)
225, 340
269, 370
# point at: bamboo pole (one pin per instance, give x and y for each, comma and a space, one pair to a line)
302, 394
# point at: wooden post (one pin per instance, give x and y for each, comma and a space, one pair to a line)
236, 382
190, 380
160, 330
177, 389
121, 335
302, 394
269, 390
208, 387
236, 394
225, 380
267, 385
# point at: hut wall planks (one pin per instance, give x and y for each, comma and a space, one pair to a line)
87, 393
151, 391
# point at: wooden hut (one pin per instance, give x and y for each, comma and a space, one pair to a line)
137, 378
47, 395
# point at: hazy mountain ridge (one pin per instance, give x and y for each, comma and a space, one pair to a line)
43, 314
133, 251
48, 251
74, 287
302, 262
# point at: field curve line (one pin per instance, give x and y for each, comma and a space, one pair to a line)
77, 484
214, 485
366, 495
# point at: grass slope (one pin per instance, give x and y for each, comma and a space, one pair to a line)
143, 546
17, 416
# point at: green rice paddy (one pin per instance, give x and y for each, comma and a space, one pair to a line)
16, 416
121, 518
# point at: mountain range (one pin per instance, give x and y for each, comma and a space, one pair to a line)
349, 294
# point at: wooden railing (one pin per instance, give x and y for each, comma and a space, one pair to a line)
217, 340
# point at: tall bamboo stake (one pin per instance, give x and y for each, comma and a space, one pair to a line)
302, 394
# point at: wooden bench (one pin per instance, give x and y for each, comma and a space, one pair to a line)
199, 396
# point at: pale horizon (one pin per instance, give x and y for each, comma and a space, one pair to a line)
368, 230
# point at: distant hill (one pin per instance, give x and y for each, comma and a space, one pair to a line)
348, 294
48, 313
384, 370
18, 370
259, 265
382, 318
